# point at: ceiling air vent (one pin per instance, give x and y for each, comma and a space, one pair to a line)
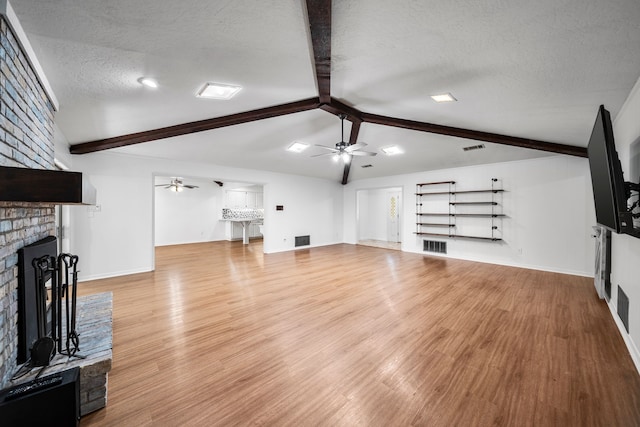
367, 166
473, 147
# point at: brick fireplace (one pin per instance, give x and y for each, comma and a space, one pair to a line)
27, 147
26, 140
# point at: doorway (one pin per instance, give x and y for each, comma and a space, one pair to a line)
379, 217
194, 210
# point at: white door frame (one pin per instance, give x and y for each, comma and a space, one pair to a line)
360, 212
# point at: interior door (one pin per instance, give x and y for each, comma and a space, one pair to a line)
393, 216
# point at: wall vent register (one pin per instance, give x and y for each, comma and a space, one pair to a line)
623, 308
434, 246
303, 241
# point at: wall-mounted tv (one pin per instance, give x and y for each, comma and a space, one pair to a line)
609, 191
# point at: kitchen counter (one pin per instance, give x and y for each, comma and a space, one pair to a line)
245, 226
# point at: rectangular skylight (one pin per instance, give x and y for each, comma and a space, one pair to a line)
391, 150
218, 91
297, 147
445, 97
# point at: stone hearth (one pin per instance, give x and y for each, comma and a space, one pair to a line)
94, 327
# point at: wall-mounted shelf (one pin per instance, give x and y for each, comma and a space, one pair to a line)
463, 215
473, 203
493, 239
458, 192
448, 203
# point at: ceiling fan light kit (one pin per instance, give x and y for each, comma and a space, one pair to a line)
343, 150
176, 185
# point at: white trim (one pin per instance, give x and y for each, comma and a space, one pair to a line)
114, 274
503, 263
299, 248
631, 346
7, 11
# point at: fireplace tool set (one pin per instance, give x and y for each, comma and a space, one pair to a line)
62, 271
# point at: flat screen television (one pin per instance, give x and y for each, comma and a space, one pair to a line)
609, 191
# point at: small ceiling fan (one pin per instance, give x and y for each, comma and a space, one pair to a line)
176, 185
344, 150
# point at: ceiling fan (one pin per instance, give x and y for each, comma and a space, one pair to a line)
176, 185
343, 150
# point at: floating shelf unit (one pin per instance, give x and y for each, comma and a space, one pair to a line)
439, 205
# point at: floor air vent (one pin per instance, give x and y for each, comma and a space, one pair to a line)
303, 240
434, 246
623, 308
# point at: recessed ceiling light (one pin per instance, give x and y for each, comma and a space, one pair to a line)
445, 97
297, 147
148, 82
218, 91
391, 150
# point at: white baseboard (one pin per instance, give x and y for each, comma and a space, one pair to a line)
301, 247
505, 263
114, 274
631, 346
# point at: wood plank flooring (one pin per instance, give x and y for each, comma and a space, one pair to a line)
222, 335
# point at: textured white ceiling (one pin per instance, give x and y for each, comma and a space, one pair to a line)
529, 69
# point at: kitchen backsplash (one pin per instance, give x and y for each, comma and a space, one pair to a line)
229, 213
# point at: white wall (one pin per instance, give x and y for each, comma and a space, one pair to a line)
372, 213
189, 216
548, 202
119, 239
625, 250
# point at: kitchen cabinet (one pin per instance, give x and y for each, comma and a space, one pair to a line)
236, 199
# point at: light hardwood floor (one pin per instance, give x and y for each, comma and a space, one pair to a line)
223, 335
381, 244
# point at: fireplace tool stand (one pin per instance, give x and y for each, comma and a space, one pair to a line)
63, 272
68, 267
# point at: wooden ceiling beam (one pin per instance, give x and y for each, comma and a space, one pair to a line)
336, 107
319, 13
495, 138
197, 126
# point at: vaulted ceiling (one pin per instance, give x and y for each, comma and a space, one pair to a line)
525, 74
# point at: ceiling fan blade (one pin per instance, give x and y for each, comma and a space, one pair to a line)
363, 153
162, 185
327, 148
190, 186
354, 147
325, 154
